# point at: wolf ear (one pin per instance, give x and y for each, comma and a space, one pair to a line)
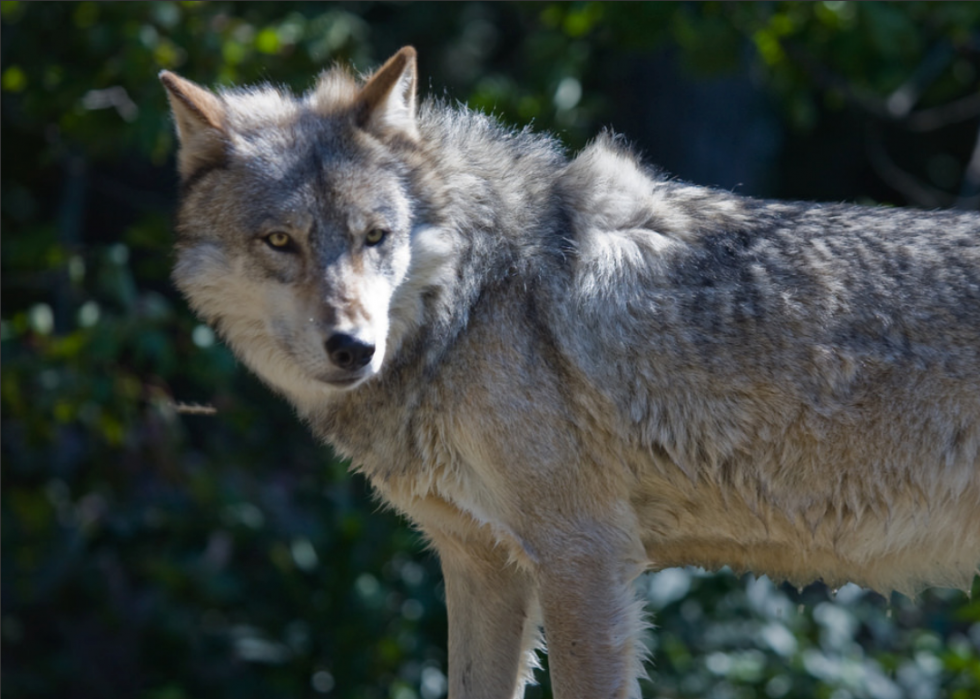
387, 102
200, 117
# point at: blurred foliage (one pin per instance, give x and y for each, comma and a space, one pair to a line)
154, 554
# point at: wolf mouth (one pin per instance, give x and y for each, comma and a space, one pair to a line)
343, 382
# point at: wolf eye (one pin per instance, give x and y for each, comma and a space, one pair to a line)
277, 240
375, 236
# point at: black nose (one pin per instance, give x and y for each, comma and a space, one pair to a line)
347, 352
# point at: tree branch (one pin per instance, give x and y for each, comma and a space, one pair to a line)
898, 179
895, 109
970, 188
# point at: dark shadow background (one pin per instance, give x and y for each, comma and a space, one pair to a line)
163, 555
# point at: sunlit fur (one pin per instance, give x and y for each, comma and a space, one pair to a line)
584, 369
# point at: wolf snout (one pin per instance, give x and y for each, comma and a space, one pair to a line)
348, 352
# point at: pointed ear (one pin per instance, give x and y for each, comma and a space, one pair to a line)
387, 101
200, 118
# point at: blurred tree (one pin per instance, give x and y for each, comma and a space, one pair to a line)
158, 554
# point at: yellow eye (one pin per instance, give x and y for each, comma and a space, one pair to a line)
375, 236
279, 240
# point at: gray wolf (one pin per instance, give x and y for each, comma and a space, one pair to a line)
566, 370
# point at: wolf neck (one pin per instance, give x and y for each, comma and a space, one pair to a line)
491, 196
487, 213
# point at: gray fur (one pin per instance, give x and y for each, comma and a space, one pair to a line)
583, 369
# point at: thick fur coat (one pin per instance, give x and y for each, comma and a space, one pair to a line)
567, 371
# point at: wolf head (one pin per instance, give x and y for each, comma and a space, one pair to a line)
299, 221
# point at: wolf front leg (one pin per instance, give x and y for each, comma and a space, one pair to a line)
592, 619
493, 620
